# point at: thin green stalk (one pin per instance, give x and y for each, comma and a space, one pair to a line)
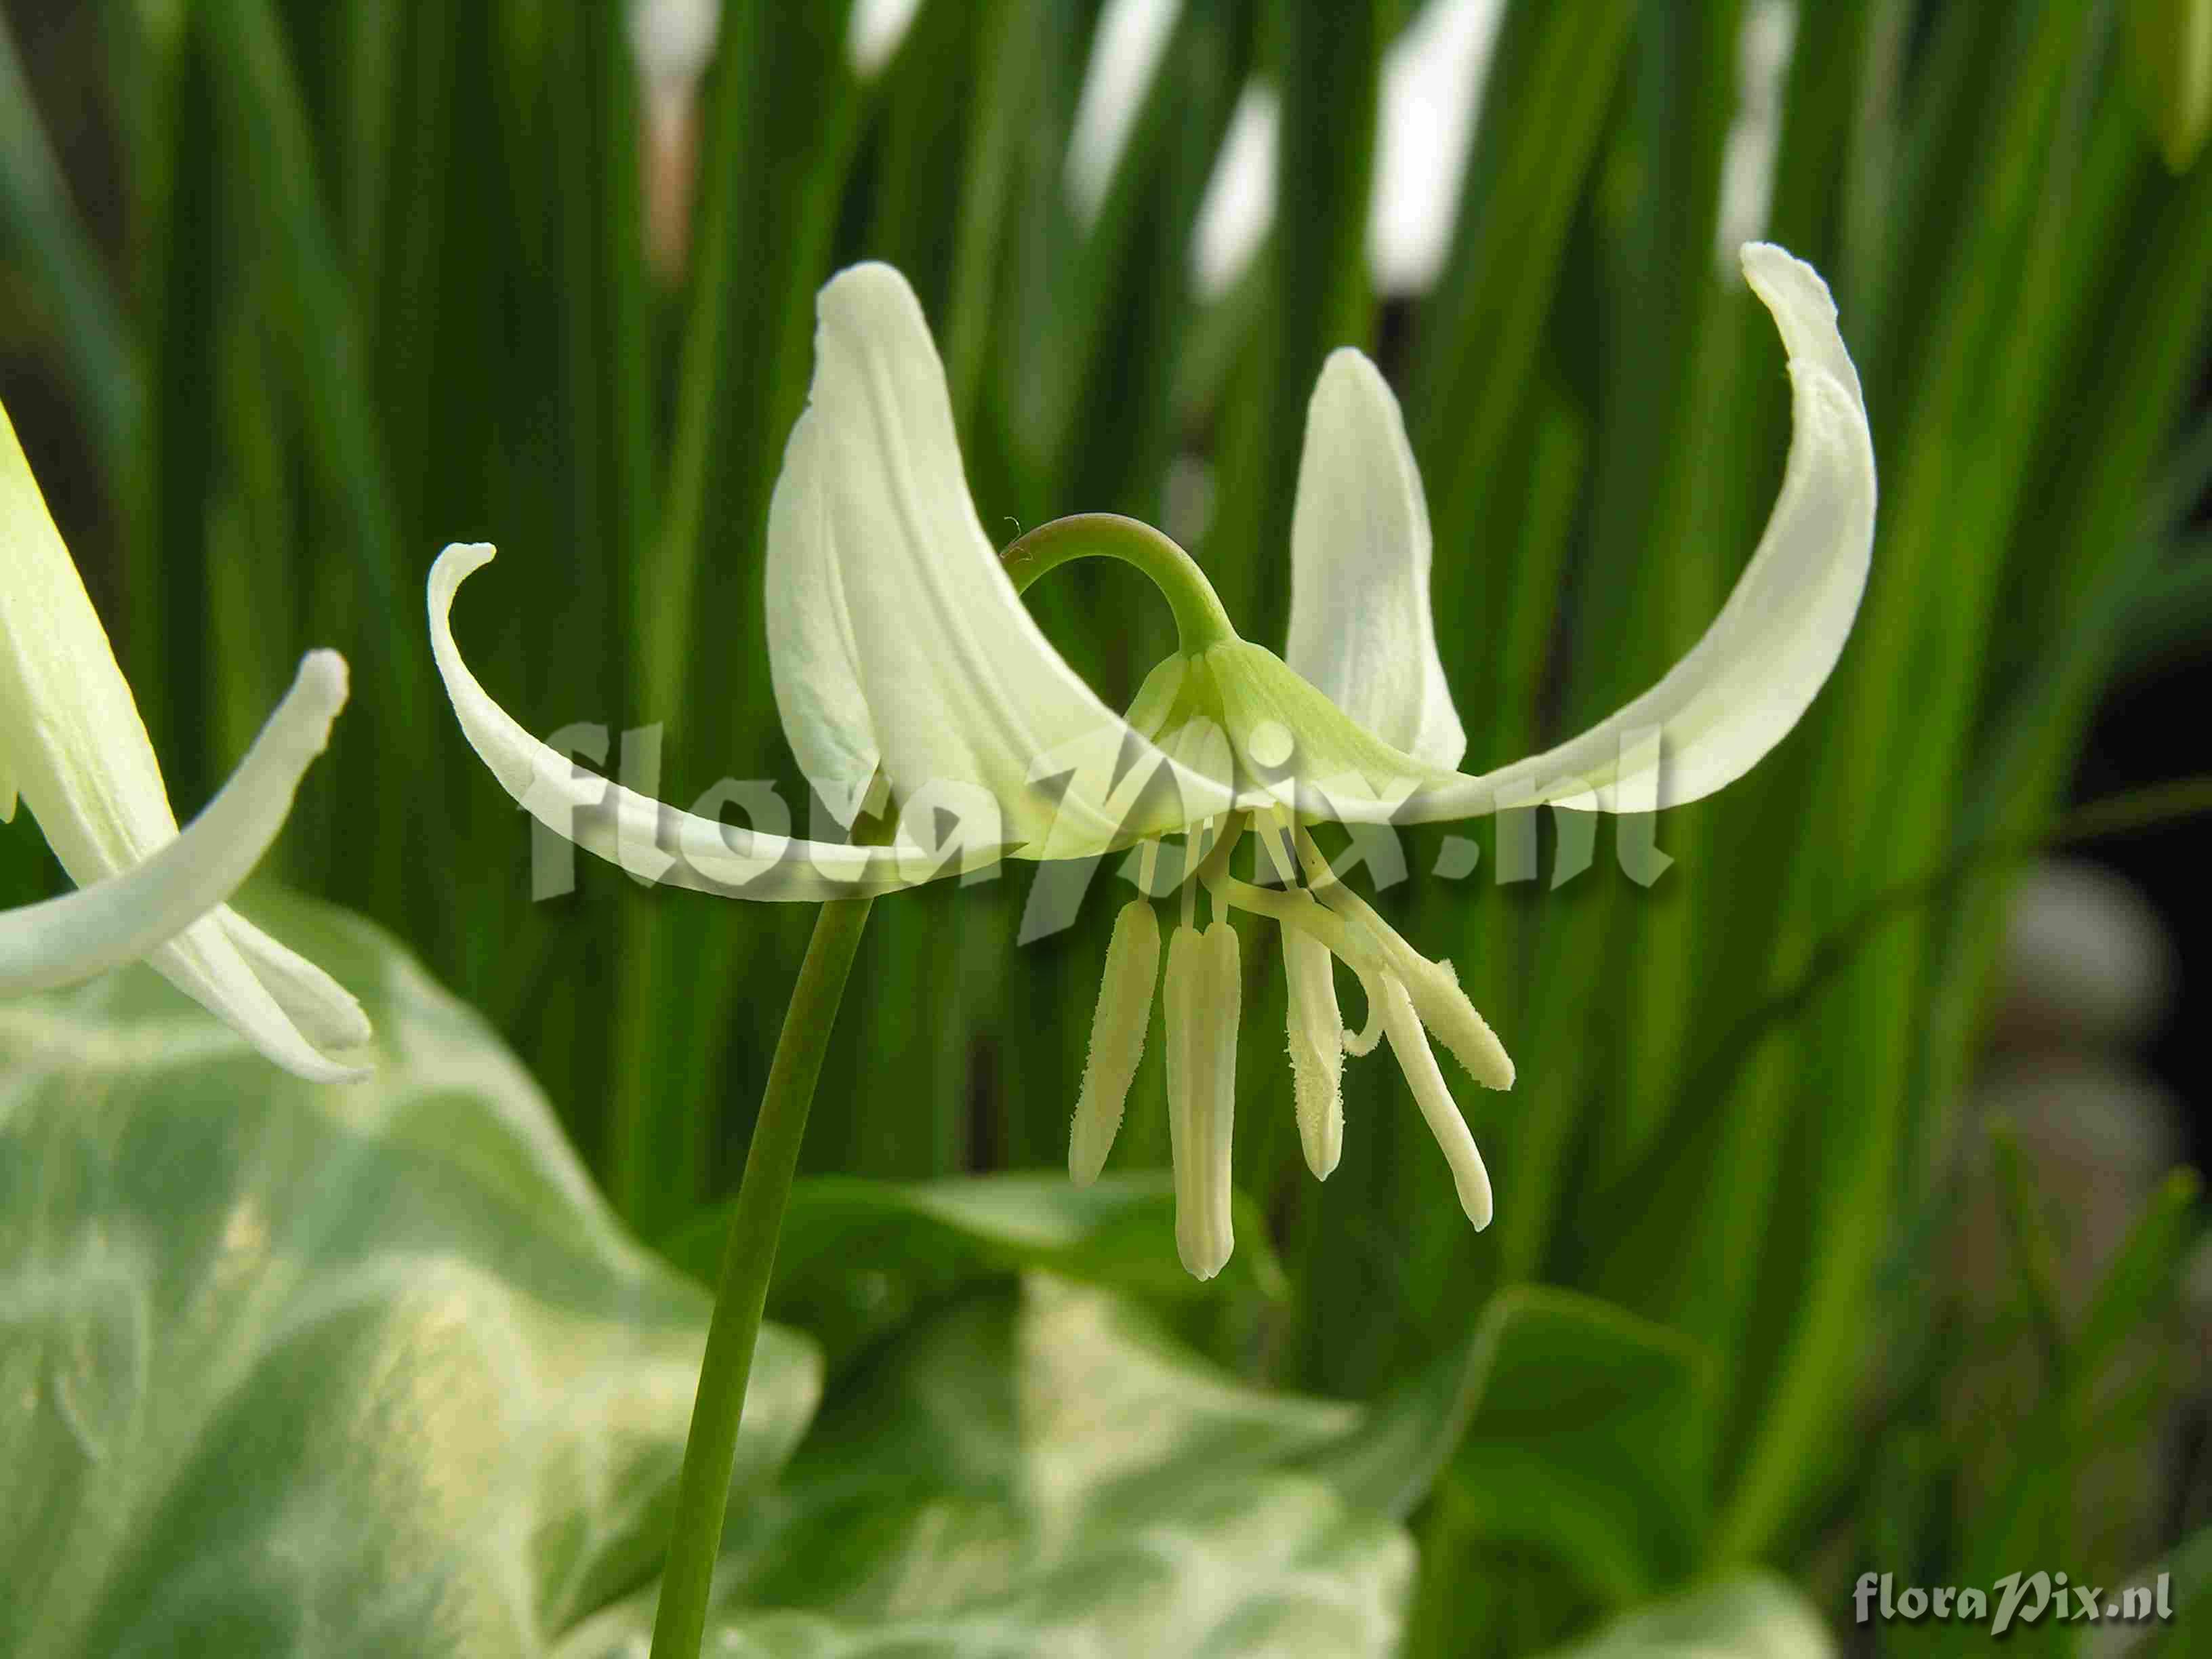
748, 1259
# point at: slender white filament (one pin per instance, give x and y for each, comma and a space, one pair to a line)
1411, 1045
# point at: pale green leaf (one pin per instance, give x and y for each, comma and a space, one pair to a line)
1041, 1471
1753, 1617
1589, 1438
1577, 1427
858, 1258
286, 1367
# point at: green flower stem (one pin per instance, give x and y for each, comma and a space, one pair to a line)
747, 1260
1201, 623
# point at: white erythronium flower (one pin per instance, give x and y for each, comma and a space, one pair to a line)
72, 745
903, 660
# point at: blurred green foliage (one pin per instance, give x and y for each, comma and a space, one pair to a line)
377, 278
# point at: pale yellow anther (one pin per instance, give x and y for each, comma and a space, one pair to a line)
1204, 993
1432, 987
1117, 1039
1317, 1032
1445, 1010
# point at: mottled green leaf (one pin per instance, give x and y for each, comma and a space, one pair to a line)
1577, 1427
323, 1370
1753, 1617
1039, 1471
858, 1257
1589, 1438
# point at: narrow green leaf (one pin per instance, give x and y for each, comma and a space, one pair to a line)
267, 129
2141, 1274
2034, 1254
37, 216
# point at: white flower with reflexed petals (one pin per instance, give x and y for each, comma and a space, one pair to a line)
73, 748
906, 665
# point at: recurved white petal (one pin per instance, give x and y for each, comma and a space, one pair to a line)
1745, 684
624, 827
126, 916
327, 1014
1361, 627
77, 749
895, 638
813, 663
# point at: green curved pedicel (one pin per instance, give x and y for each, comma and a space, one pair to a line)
1201, 623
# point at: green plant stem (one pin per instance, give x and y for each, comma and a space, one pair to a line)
747, 1260
1201, 623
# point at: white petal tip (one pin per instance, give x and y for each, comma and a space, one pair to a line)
460, 562
870, 283
1350, 365
309, 1066
1804, 312
1361, 631
334, 1025
349, 1028
1774, 271
1767, 255
1780, 277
